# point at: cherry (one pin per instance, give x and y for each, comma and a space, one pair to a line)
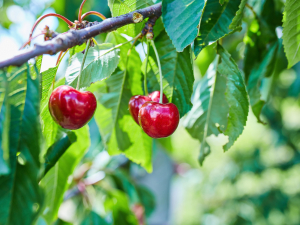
135, 104
156, 95
158, 120
71, 108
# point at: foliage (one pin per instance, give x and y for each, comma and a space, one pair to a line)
20, 190
43, 166
291, 34
220, 104
183, 14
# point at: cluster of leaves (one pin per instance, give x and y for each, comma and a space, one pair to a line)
34, 148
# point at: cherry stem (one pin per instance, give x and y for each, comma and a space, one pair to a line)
47, 15
80, 11
61, 56
145, 77
83, 61
58, 58
93, 13
160, 73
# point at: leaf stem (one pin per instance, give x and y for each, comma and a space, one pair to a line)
119, 45
145, 76
160, 72
94, 40
83, 61
128, 53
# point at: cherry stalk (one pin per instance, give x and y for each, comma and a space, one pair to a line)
145, 76
160, 72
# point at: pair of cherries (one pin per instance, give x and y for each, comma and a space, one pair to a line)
72, 109
158, 120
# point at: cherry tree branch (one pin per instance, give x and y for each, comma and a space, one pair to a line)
77, 37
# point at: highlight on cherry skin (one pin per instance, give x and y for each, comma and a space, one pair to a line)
155, 95
70, 108
158, 120
135, 103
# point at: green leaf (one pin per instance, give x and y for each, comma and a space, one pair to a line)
117, 128
118, 203
261, 71
237, 20
124, 182
147, 199
120, 7
291, 31
20, 192
48, 77
177, 70
56, 182
181, 20
76, 49
100, 63
133, 65
93, 218
220, 104
49, 126
4, 124
117, 102
261, 32
56, 150
215, 22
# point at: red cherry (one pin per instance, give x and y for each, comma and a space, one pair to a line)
135, 103
71, 108
156, 95
159, 120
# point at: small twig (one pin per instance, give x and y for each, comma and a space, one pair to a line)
148, 29
77, 37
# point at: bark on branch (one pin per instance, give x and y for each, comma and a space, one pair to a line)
77, 37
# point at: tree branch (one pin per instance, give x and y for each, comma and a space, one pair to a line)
77, 37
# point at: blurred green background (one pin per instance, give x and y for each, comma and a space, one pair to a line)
255, 182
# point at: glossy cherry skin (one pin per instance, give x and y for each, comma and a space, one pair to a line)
159, 120
71, 108
155, 95
135, 103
